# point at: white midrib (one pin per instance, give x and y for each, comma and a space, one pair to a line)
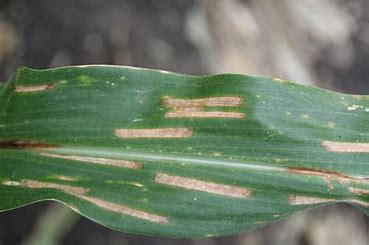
162, 157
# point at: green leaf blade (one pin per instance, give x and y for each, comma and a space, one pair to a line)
158, 153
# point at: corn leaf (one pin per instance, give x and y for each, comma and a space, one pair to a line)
157, 153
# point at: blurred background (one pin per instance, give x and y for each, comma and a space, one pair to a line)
323, 43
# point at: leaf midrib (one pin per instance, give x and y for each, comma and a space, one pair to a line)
164, 157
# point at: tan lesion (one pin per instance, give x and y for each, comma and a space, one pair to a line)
200, 185
102, 161
329, 176
342, 179
65, 188
37, 88
358, 191
345, 147
326, 176
65, 178
195, 108
126, 210
199, 113
155, 133
203, 102
11, 183
306, 200
81, 193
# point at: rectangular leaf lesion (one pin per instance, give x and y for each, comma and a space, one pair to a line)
155, 133
200, 185
203, 102
195, 108
35, 88
81, 193
96, 160
65, 188
307, 200
199, 113
125, 210
345, 147
38, 87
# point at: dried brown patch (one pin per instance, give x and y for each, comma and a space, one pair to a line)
304, 200
157, 133
199, 113
36, 88
11, 183
347, 147
126, 210
194, 108
102, 161
358, 191
327, 176
81, 193
66, 188
21, 144
199, 185
65, 178
212, 101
